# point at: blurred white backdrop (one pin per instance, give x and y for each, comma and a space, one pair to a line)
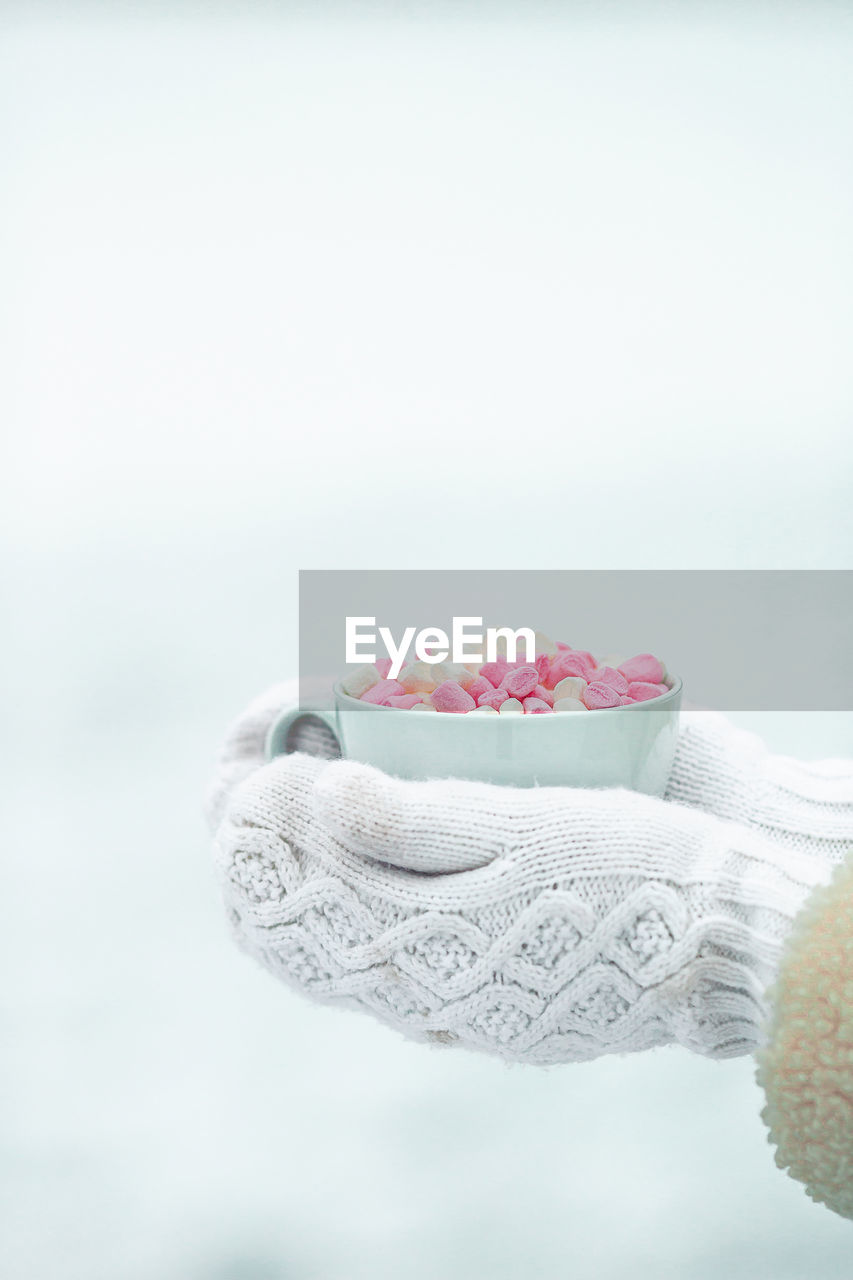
393, 285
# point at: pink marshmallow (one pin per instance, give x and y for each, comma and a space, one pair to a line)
642, 668
609, 675
492, 698
571, 663
543, 666
521, 682
479, 686
381, 692
451, 697
597, 697
404, 701
527, 684
642, 691
494, 671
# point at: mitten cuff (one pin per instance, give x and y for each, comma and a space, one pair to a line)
729, 772
243, 748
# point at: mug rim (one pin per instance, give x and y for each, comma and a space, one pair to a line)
346, 698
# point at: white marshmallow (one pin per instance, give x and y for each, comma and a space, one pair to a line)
512, 707
423, 706
357, 682
418, 677
453, 671
482, 711
570, 704
613, 660
571, 687
544, 644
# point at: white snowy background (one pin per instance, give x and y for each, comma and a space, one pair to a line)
375, 286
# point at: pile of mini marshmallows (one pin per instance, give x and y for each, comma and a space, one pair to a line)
559, 679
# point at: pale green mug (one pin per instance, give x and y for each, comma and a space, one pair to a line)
631, 746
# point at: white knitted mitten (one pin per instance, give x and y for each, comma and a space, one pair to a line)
548, 924
805, 806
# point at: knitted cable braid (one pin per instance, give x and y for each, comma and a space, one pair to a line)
555, 925
547, 925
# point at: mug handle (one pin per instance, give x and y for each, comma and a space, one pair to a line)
279, 730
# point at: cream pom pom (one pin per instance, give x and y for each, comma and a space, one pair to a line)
806, 1066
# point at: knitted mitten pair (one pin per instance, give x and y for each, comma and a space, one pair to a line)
547, 925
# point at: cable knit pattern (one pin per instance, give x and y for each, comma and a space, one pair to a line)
546, 925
